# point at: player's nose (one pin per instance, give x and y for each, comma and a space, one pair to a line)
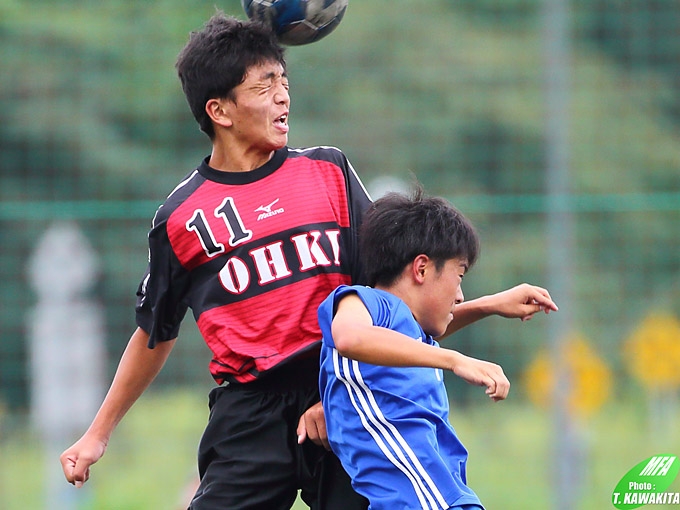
282, 96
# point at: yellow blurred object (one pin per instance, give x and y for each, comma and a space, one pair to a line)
652, 352
589, 377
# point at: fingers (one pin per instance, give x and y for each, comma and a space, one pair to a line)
81, 472
536, 299
68, 464
312, 426
540, 296
77, 460
498, 387
79, 480
523, 301
301, 430
323, 436
316, 433
482, 373
76, 469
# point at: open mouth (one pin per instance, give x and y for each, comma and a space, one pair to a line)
283, 119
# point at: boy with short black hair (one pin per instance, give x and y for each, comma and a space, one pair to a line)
381, 381
252, 240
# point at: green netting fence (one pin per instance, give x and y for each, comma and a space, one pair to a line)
94, 130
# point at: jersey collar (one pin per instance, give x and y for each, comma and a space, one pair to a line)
244, 177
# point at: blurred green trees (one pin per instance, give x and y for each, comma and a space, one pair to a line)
91, 113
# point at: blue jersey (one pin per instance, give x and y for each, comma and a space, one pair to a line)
390, 425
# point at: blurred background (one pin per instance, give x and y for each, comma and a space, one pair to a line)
553, 124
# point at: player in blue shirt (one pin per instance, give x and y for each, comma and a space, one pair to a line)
381, 381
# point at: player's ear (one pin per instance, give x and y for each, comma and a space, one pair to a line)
420, 266
219, 112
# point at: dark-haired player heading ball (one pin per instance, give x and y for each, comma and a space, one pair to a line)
252, 241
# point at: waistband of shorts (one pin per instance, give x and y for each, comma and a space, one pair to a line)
290, 375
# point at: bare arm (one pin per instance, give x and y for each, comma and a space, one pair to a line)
138, 367
520, 302
357, 338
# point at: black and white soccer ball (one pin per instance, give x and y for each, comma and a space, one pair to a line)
297, 22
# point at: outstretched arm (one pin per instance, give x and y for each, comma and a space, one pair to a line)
520, 302
138, 367
357, 338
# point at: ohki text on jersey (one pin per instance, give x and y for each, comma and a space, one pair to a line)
269, 260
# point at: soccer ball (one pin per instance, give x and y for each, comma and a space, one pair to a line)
297, 22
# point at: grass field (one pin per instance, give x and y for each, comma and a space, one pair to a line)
151, 459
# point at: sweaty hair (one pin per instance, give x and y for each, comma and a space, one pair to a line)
216, 58
397, 228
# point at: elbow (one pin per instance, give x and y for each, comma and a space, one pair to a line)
346, 342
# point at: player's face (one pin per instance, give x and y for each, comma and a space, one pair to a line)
442, 292
259, 113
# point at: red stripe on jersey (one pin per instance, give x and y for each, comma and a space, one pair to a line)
302, 191
254, 334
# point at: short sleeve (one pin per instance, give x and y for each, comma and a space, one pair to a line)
376, 303
162, 300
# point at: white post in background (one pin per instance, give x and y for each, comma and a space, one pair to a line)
566, 458
67, 352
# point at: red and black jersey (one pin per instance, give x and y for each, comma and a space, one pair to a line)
253, 254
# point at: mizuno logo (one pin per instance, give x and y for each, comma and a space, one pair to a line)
267, 210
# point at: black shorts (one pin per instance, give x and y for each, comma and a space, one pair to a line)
249, 457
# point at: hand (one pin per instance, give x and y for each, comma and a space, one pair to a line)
522, 302
312, 425
77, 459
483, 373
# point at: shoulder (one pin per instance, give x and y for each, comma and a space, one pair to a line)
329, 305
337, 294
322, 158
321, 153
178, 196
381, 305
361, 291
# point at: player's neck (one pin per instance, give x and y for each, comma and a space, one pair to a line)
401, 289
237, 160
